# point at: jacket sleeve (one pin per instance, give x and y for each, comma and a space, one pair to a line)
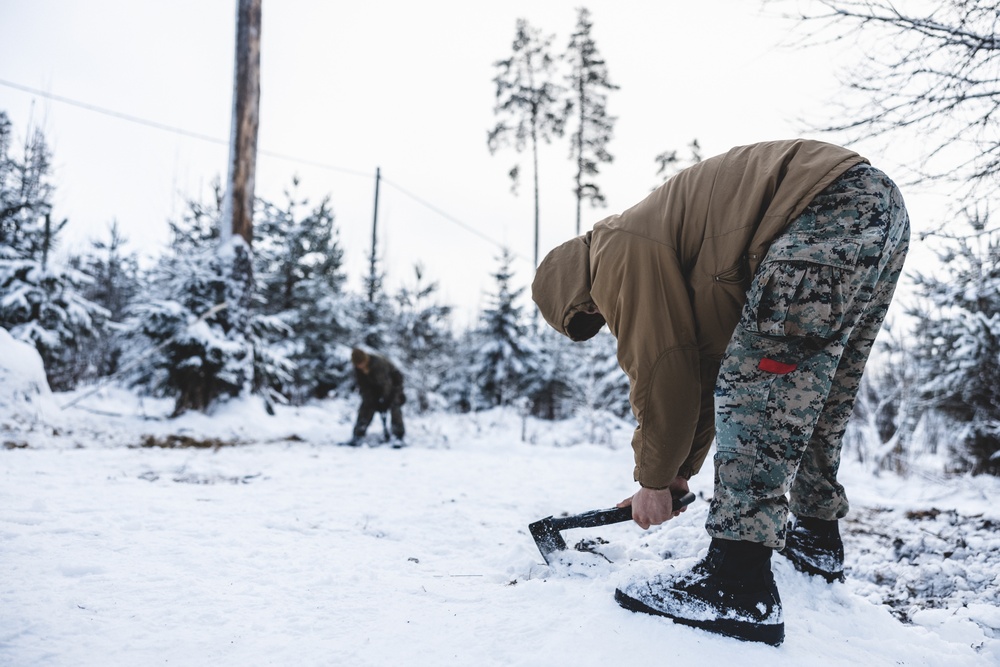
705, 431
639, 286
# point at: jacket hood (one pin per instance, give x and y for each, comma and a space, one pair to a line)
561, 289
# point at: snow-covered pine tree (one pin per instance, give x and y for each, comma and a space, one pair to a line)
374, 311
958, 343
589, 86
505, 360
115, 280
600, 383
299, 265
582, 380
41, 298
208, 343
551, 386
424, 347
114, 272
25, 191
457, 386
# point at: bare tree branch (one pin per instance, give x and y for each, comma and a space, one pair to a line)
930, 70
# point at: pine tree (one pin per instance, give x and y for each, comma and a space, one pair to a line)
424, 348
114, 272
669, 163
458, 387
299, 264
602, 385
41, 298
115, 281
199, 339
505, 358
527, 102
25, 192
589, 86
550, 386
374, 310
293, 254
958, 343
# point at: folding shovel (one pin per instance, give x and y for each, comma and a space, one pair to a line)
546, 531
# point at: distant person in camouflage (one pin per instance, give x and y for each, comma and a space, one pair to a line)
745, 294
381, 387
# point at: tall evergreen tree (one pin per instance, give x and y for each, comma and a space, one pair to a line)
589, 88
505, 358
528, 102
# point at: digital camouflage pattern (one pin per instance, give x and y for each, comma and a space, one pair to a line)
793, 367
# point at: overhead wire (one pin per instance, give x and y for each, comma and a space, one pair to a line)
267, 153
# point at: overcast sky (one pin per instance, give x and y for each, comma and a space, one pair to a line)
401, 85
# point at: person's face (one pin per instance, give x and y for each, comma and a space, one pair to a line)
363, 366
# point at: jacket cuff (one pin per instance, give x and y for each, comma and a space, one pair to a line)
652, 483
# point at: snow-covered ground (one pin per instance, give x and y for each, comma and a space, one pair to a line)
275, 546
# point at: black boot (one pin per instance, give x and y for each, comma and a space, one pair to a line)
731, 592
814, 547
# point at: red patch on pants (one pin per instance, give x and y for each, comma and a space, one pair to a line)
776, 367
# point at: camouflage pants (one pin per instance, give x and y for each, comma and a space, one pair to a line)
792, 370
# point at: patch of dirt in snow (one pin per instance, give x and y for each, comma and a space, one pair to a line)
185, 442
917, 560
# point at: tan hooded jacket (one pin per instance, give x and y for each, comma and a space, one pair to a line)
670, 276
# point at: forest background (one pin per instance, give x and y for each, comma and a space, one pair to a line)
917, 88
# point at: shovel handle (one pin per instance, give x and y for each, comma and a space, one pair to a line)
609, 516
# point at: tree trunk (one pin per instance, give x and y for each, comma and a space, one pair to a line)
534, 152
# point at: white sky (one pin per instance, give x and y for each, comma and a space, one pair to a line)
399, 85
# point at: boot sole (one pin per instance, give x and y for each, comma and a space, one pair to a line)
806, 568
743, 630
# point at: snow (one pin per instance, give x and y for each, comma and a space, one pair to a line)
24, 391
270, 544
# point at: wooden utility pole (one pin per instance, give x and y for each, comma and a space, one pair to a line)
372, 271
237, 209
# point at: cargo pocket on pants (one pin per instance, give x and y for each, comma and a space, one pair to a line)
802, 288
